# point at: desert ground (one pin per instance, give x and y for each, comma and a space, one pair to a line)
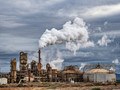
61, 86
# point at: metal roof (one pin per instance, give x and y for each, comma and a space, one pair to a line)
72, 71
98, 70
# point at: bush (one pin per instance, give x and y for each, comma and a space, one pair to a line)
3, 85
51, 87
20, 85
46, 84
31, 85
96, 89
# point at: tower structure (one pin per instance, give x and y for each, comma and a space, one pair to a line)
23, 62
49, 72
23, 65
34, 67
13, 73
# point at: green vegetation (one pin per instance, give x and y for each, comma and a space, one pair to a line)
21, 85
96, 89
3, 85
46, 83
51, 87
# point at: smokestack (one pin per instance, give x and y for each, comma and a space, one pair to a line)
39, 62
39, 56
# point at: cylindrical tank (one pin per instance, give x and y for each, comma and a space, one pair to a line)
99, 75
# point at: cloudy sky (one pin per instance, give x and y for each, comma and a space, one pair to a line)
22, 22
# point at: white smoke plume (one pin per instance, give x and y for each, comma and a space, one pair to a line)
57, 64
116, 61
76, 46
70, 32
105, 23
53, 57
112, 69
104, 41
99, 29
82, 66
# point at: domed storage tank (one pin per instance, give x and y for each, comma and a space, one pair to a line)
99, 74
72, 73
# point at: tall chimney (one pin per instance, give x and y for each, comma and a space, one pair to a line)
39, 61
39, 56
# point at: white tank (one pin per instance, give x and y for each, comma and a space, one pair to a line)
99, 75
3, 80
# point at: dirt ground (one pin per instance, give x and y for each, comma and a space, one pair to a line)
62, 86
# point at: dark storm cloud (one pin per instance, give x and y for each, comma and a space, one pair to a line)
22, 22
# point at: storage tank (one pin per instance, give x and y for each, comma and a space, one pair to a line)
3, 80
99, 74
72, 73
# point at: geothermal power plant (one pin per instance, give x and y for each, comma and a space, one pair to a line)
33, 72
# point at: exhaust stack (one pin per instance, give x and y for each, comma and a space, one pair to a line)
39, 56
39, 61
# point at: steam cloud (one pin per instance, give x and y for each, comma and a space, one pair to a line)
104, 41
57, 64
53, 57
116, 61
76, 46
82, 66
70, 32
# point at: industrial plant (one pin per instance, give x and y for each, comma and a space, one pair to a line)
33, 72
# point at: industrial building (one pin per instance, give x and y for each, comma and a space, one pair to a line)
72, 73
3, 78
33, 72
99, 74
13, 74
